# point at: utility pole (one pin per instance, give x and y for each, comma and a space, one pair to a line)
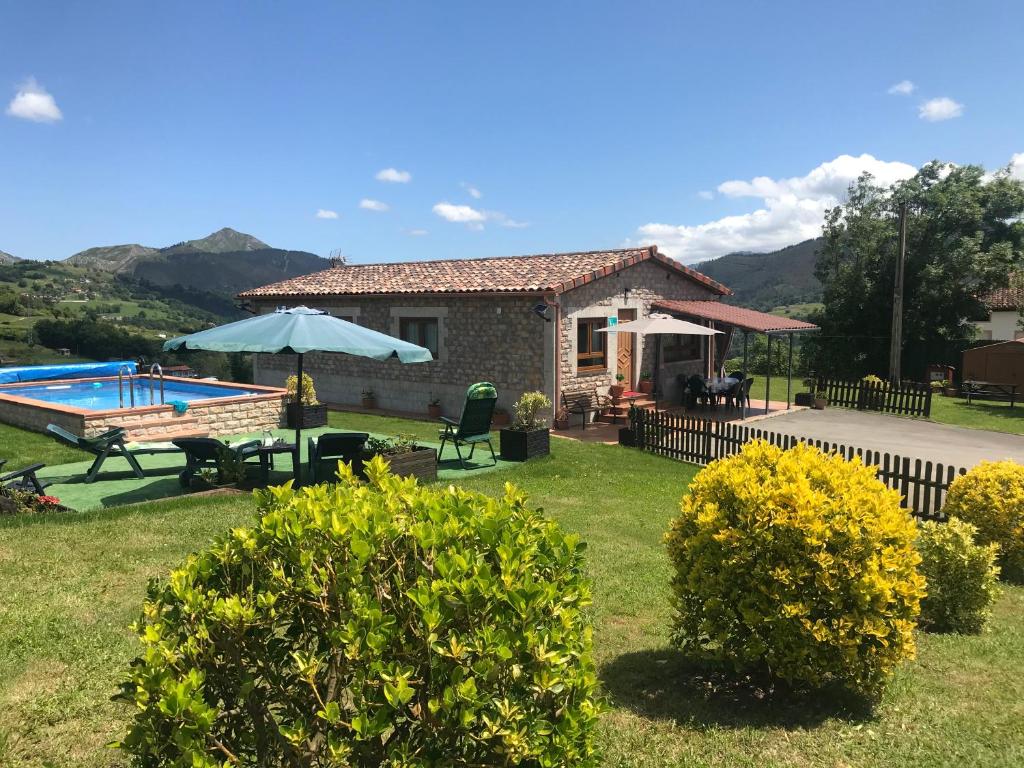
896, 338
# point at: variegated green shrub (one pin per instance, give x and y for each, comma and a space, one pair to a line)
797, 563
961, 577
378, 624
991, 498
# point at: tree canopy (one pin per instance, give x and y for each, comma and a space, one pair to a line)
964, 239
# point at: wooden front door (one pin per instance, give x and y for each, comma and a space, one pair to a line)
625, 344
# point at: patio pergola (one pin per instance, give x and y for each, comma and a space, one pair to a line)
729, 319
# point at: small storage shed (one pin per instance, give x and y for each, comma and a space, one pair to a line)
1001, 363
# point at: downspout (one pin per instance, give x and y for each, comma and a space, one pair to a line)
556, 362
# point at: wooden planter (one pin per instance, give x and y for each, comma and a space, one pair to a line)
805, 399
420, 462
517, 445
312, 415
626, 436
434, 411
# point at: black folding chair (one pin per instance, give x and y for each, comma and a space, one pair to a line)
474, 426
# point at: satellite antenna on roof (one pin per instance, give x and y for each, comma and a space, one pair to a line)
337, 258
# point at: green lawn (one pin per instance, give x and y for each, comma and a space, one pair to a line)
73, 584
22, 448
980, 414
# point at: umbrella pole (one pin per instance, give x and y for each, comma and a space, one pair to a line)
657, 370
298, 424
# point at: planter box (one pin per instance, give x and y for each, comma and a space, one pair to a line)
517, 445
626, 436
420, 463
806, 399
312, 415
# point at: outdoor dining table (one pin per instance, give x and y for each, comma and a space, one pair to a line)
718, 385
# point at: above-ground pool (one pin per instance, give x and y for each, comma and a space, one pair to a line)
103, 395
89, 407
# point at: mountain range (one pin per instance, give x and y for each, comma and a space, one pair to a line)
6, 258
768, 280
225, 262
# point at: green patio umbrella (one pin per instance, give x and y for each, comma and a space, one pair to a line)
296, 331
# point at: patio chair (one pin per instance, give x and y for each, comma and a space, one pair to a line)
697, 392
205, 453
23, 479
474, 426
347, 446
110, 443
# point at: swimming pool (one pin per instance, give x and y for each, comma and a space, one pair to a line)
103, 395
89, 407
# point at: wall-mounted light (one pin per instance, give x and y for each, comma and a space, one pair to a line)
541, 311
625, 294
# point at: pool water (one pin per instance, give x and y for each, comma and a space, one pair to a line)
103, 395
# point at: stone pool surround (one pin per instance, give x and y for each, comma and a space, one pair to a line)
228, 415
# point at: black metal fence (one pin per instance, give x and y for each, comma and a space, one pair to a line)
907, 398
923, 484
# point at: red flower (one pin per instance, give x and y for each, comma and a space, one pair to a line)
48, 500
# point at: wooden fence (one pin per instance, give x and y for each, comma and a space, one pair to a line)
907, 398
923, 484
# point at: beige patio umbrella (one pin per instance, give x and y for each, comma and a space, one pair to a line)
659, 325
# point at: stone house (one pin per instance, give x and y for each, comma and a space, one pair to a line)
1003, 307
522, 322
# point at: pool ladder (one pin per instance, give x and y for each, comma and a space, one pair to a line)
120, 385
156, 367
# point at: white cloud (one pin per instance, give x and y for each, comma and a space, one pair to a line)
394, 176
475, 193
323, 213
1017, 166
473, 218
33, 102
902, 88
373, 205
417, 232
792, 210
706, 194
943, 108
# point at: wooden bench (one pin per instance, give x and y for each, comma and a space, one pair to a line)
990, 390
584, 402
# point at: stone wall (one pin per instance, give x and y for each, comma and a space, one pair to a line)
35, 418
647, 282
494, 338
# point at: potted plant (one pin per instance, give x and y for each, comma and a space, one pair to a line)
434, 407
805, 399
369, 399
404, 456
646, 384
500, 418
230, 472
528, 436
616, 390
562, 419
820, 400
314, 413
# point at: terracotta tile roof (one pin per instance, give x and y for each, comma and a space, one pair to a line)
1007, 299
544, 273
740, 317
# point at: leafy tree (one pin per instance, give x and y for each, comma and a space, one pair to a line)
964, 238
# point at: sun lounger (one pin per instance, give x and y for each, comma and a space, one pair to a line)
23, 479
110, 443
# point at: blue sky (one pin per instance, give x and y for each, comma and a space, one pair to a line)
703, 127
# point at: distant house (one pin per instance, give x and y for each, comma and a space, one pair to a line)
1003, 305
521, 322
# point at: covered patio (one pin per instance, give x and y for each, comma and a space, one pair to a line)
732, 320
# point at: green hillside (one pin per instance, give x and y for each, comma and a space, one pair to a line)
6, 258
767, 280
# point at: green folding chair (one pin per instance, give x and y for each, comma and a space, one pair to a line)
110, 443
474, 427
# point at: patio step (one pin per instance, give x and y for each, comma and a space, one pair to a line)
644, 401
167, 429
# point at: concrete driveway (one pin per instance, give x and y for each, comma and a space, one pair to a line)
913, 438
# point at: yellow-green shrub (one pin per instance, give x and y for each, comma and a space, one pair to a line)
991, 498
796, 562
961, 577
385, 624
